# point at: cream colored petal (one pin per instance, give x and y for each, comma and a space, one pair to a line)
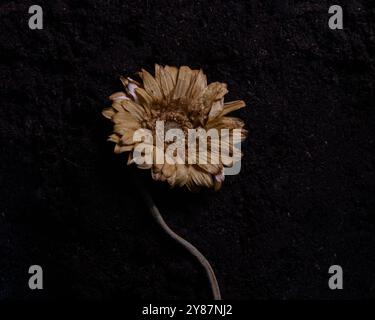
183, 82
200, 178
108, 112
181, 174
232, 106
158, 70
172, 73
151, 85
135, 109
127, 120
144, 97
216, 109
167, 83
199, 85
215, 91
118, 106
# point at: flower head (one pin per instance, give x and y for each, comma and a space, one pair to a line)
181, 99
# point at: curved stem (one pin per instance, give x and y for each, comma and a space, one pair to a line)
187, 245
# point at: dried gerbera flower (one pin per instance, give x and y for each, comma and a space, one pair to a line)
182, 100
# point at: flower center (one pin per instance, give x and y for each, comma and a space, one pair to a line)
172, 120
171, 125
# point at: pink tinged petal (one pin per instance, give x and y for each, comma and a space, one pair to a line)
130, 86
131, 89
220, 177
118, 96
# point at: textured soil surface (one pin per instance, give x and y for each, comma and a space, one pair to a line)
303, 201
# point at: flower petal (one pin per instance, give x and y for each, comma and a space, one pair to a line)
172, 73
130, 86
181, 174
215, 91
199, 178
232, 106
127, 120
183, 82
144, 97
151, 85
198, 87
134, 109
216, 109
167, 83
118, 96
225, 123
108, 112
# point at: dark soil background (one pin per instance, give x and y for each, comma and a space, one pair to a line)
303, 201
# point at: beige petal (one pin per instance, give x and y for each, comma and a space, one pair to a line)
216, 109
183, 82
158, 70
134, 109
167, 83
215, 91
181, 174
127, 120
199, 85
108, 112
118, 106
172, 73
168, 170
199, 178
232, 106
144, 97
217, 185
151, 85
210, 168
